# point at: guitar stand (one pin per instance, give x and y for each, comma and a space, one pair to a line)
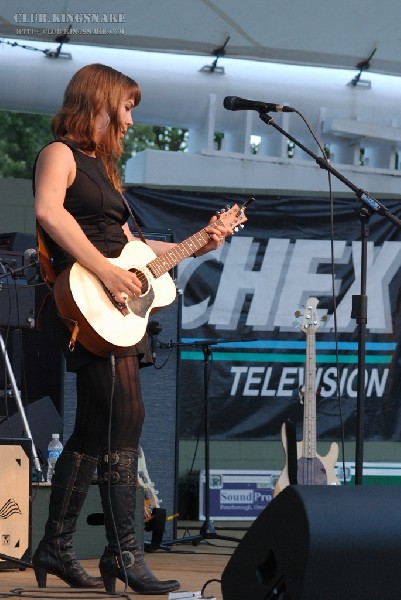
207, 530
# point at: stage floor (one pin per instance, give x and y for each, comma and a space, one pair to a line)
192, 565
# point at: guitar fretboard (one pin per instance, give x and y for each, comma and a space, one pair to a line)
231, 218
309, 441
166, 261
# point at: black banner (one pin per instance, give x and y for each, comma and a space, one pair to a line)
243, 299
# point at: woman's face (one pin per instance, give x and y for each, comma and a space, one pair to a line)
124, 117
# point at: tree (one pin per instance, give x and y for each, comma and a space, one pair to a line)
153, 137
22, 135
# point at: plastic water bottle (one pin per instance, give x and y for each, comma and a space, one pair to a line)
54, 450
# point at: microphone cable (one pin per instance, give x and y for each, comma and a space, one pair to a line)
124, 593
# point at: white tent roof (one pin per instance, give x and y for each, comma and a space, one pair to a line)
340, 34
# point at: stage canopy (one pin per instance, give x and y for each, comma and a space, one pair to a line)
345, 34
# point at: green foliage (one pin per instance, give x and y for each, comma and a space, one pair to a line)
142, 137
22, 135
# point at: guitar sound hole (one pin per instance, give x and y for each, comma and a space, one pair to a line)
142, 278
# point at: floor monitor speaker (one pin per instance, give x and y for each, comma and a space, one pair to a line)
321, 543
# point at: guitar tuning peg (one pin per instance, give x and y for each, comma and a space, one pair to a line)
297, 313
228, 207
236, 230
249, 201
242, 226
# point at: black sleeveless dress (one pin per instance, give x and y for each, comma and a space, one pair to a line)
100, 211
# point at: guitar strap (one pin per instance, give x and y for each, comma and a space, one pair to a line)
46, 271
131, 214
45, 264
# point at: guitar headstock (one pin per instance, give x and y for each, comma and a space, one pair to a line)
233, 217
310, 321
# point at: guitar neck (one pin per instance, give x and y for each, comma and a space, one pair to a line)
309, 439
232, 217
166, 261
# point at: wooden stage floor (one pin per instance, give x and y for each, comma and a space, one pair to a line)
192, 565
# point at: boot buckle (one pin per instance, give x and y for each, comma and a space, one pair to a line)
128, 560
114, 458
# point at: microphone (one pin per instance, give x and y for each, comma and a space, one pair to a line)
153, 329
236, 103
30, 257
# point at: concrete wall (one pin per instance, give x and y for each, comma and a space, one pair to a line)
16, 206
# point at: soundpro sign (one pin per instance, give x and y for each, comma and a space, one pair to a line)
236, 495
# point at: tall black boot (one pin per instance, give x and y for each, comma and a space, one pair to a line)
123, 557
55, 553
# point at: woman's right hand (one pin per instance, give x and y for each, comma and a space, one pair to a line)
121, 282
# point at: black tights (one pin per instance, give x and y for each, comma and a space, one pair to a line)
94, 389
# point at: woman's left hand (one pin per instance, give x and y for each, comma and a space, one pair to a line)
217, 234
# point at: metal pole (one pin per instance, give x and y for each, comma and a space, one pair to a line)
19, 403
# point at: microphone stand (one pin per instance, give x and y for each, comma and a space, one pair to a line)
207, 530
14, 271
359, 303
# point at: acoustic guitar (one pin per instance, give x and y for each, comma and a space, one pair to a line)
105, 326
311, 468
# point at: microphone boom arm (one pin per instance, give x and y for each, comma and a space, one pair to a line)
367, 199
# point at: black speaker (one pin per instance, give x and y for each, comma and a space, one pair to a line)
17, 241
321, 543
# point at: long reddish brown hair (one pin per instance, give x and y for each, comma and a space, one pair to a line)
89, 90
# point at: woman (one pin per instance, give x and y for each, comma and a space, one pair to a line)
82, 216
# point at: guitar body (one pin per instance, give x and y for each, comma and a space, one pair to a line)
80, 296
317, 470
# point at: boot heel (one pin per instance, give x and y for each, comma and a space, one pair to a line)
41, 576
109, 582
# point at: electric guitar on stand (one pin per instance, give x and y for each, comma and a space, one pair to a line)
151, 495
310, 468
